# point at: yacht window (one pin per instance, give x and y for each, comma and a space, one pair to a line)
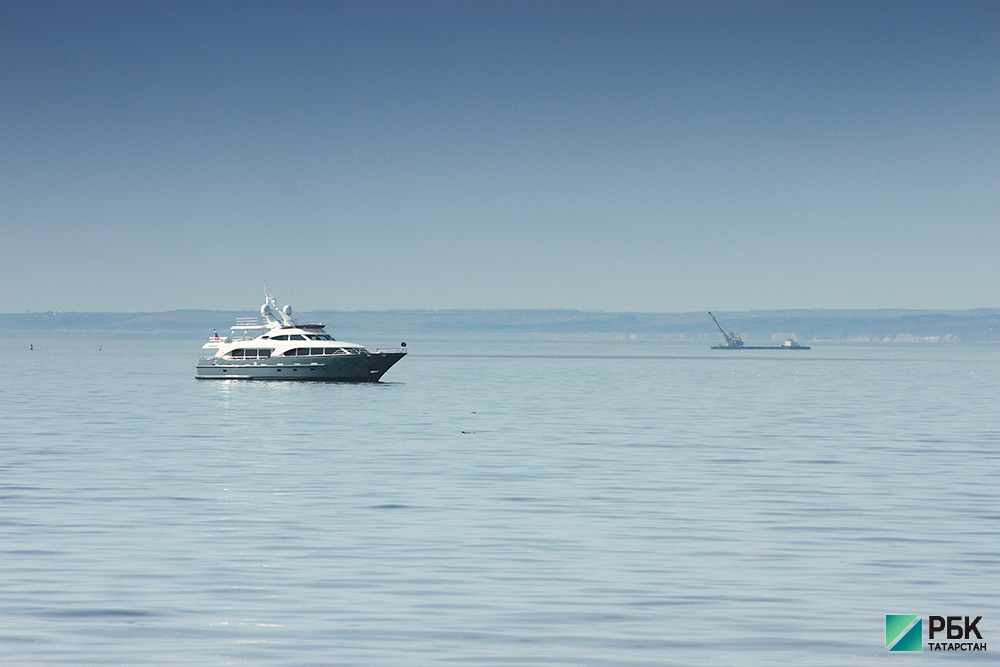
330, 350
250, 354
317, 350
314, 337
340, 350
281, 337
296, 337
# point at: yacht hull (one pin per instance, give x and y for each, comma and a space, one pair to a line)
347, 368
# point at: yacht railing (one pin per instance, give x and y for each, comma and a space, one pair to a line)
346, 350
228, 339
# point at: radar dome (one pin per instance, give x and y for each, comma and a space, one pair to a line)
287, 310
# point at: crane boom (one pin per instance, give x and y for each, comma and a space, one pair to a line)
718, 325
732, 339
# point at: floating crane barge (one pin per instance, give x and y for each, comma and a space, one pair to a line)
735, 342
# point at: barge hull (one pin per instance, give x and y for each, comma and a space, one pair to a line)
759, 347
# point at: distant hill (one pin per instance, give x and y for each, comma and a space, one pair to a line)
981, 325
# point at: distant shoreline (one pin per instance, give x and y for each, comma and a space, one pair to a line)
888, 325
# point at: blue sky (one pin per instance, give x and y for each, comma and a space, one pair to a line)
621, 156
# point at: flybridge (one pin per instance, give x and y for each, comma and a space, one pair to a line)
275, 317
271, 317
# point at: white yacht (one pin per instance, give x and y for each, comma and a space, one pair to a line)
287, 350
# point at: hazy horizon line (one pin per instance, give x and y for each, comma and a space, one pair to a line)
507, 309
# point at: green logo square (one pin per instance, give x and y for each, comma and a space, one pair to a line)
904, 632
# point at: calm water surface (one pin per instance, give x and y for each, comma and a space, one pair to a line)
496, 502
